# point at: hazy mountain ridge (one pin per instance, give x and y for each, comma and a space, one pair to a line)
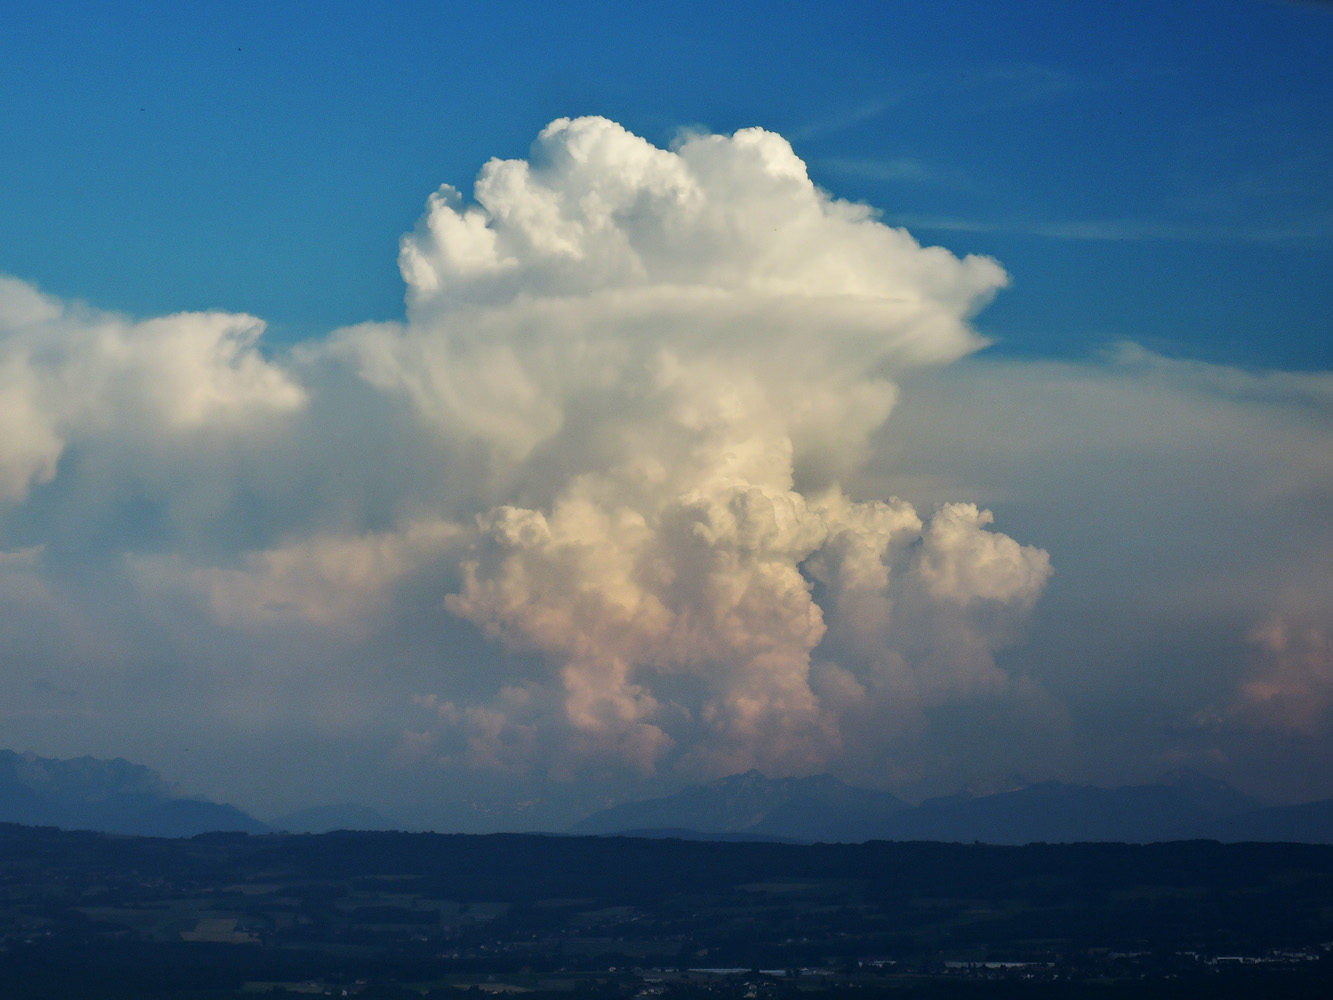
786, 808
339, 816
111, 796
1182, 806
118, 796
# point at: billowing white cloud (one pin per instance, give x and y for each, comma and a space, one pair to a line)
70, 374
609, 436
672, 356
606, 273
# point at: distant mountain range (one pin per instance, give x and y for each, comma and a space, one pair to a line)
799, 809
117, 796
1183, 806
325, 819
112, 796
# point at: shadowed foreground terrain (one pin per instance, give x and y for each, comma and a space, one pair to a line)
404, 915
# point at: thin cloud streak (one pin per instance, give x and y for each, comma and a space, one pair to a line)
848, 119
899, 170
1124, 230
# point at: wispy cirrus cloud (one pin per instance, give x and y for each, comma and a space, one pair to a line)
849, 118
1126, 230
896, 170
1011, 86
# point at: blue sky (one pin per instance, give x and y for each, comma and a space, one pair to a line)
313, 490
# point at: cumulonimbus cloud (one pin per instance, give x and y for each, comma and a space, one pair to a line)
644, 375
669, 359
617, 496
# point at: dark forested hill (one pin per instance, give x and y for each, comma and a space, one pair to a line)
222, 915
